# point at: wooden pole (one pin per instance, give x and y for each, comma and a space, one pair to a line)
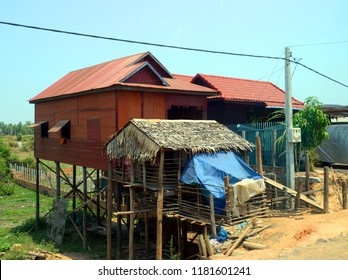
131, 223
160, 208
228, 206
37, 194
239, 240
326, 189
298, 195
109, 213
74, 193
259, 155
212, 216
274, 149
98, 197
344, 195
146, 215
85, 207
307, 170
119, 221
58, 179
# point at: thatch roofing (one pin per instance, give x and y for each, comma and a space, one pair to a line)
142, 139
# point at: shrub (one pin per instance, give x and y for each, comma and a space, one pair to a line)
6, 188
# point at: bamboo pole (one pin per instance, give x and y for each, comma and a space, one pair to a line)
147, 241
326, 189
119, 221
131, 222
109, 213
228, 206
160, 207
212, 216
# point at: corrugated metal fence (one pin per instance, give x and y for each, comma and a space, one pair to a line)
272, 147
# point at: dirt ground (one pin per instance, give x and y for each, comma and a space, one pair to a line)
308, 236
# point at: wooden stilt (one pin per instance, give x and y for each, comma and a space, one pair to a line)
109, 214
97, 186
146, 215
74, 193
212, 217
58, 179
37, 194
178, 225
119, 221
326, 189
228, 206
131, 228
160, 208
298, 195
84, 207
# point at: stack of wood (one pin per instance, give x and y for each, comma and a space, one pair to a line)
207, 251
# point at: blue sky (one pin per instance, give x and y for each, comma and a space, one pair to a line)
32, 60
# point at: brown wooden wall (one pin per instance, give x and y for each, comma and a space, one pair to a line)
95, 117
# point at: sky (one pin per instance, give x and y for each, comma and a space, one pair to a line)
315, 31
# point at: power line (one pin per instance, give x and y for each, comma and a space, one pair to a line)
319, 44
164, 46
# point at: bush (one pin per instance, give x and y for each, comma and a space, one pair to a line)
6, 188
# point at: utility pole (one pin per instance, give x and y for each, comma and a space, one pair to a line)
290, 166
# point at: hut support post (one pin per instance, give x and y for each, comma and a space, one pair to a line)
160, 208
298, 196
326, 189
37, 193
228, 207
131, 216
307, 170
109, 213
131, 223
85, 207
119, 221
212, 216
274, 149
344, 195
146, 215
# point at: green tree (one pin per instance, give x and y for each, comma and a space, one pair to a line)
312, 121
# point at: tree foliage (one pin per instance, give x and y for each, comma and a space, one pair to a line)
312, 121
16, 129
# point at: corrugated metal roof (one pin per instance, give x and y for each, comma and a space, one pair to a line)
109, 74
243, 90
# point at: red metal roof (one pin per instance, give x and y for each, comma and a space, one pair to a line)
112, 73
243, 90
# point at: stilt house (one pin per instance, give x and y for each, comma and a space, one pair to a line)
147, 157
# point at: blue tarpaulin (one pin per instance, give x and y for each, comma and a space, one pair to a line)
209, 171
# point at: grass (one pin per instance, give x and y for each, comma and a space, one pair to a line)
18, 235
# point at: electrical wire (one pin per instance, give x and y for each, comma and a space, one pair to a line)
167, 46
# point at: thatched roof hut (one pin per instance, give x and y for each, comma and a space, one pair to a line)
142, 139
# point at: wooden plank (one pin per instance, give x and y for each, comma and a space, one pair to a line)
247, 230
293, 193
